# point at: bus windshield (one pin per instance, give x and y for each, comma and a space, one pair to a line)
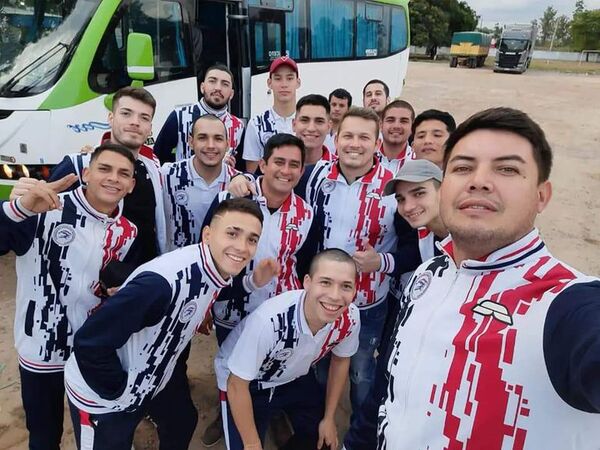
35, 38
513, 45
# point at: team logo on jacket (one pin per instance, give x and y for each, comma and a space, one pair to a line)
283, 354
188, 312
420, 285
328, 187
374, 195
181, 198
291, 226
497, 310
63, 234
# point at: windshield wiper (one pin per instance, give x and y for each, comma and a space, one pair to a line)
7, 88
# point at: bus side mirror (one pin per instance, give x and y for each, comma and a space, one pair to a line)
140, 62
140, 58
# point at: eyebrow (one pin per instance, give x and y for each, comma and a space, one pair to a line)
516, 158
416, 189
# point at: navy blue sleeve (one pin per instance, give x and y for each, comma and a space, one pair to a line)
116, 272
572, 345
62, 169
309, 248
16, 236
139, 304
407, 256
300, 189
166, 141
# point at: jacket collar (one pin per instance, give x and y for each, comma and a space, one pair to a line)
529, 245
82, 204
207, 265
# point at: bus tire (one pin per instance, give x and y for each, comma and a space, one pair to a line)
453, 61
472, 63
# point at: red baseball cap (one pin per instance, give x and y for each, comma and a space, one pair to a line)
283, 61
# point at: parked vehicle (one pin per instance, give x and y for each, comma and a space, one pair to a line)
515, 48
469, 48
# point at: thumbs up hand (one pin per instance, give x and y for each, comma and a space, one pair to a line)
367, 260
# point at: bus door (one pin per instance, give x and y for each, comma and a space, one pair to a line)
222, 28
267, 36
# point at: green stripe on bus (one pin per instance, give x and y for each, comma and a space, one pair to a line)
73, 87
5, 191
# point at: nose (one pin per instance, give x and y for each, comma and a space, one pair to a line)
480, 180
408, 205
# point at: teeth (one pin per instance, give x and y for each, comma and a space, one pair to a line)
477, 207
330, 307
236, 258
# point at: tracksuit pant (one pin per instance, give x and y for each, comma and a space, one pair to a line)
303, 401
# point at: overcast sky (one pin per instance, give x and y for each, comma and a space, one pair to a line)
522, 11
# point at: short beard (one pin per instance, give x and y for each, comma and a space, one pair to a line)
214, 106
479, 243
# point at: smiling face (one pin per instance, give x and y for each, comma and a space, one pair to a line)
232, 239
209, 142
418, 203
374, 97
429, 141
282, 171
217, 88
490, 195
284, 82
130, 122
312, 125
329, 291
108, 179
356, 143
396, 126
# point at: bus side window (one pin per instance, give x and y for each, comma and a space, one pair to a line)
399, 35
332, 27
163, 21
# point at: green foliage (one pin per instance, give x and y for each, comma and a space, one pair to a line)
547, 24
433, 22
579, 6
585, 30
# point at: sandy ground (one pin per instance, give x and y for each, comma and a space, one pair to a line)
565, 105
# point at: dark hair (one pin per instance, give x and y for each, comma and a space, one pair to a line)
281, 139
222, 68
137, 93
376, 81
314, 100
399, 104
341, 93
210, 117
512, 121
363, 113
435, 114
241, 205
115, 148
331, 254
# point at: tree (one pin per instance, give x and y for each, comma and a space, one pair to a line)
547, 23
579, 7
563, 31
585, 30
428, 24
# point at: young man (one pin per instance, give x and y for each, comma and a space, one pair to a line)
125, 353
340, 102
514, 358
396, 122
191, 185
265, 364
312, 124
288, 219
131, 124
283, 81
64, 243
173, 144
431, 130
376, 95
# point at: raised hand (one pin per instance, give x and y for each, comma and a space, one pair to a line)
241, 186
42, 196
264, 271
367, 260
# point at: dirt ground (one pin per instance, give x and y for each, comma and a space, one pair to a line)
565, 105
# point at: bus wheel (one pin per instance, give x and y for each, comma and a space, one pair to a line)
453, 61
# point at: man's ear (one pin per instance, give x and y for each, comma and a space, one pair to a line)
306, 282
544, 195
206, 234
85, 176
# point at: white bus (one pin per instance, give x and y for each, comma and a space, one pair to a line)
60, 58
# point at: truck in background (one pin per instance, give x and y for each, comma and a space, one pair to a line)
514, 50
469, 48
